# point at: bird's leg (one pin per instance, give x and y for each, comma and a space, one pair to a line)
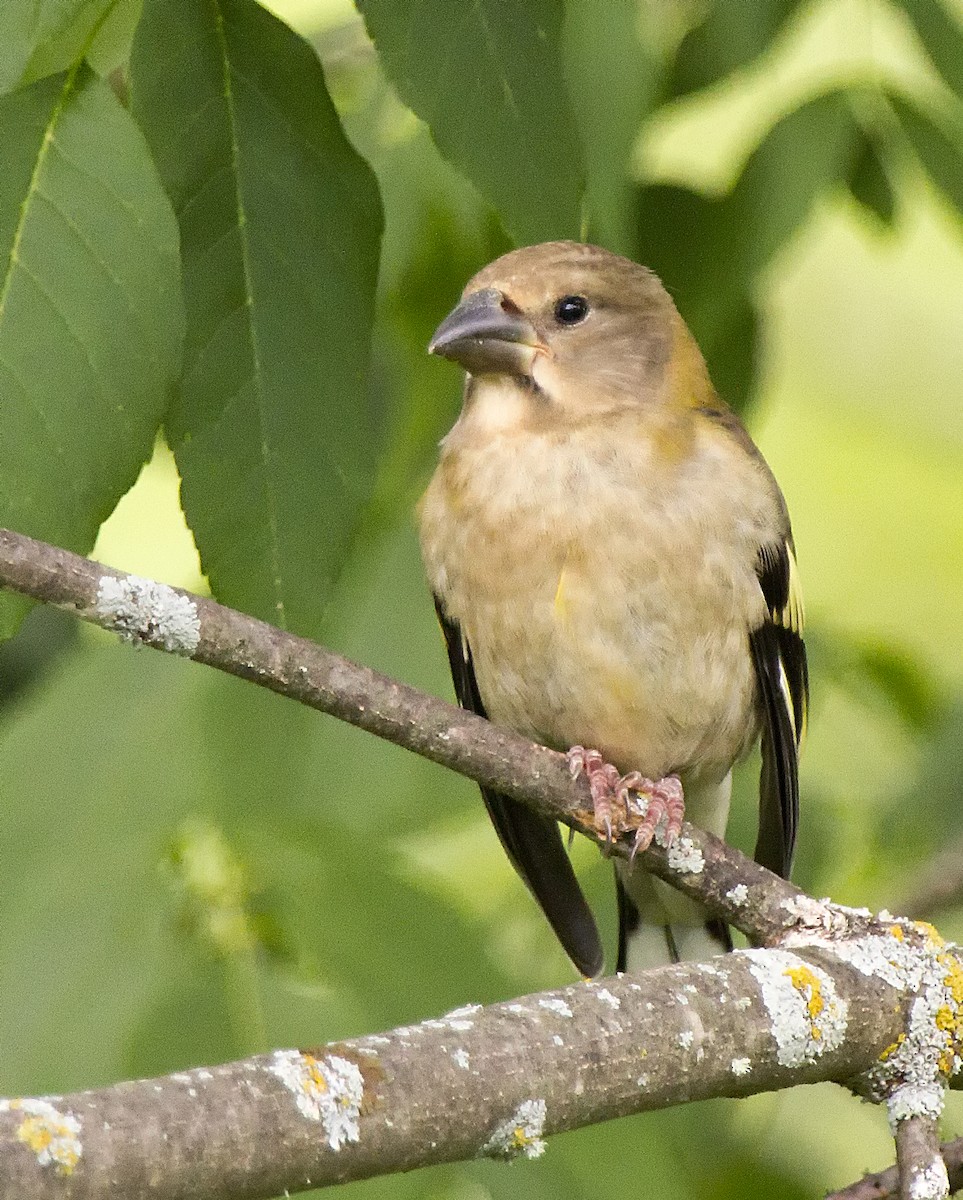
630, 803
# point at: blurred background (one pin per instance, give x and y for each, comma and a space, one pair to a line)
191, 870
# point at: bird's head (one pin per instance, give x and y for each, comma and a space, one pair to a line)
581, 330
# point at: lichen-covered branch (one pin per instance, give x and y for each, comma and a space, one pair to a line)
492, 1081
921, 1170
745, 894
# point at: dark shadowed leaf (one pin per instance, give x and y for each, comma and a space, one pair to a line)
940, 154
730, 36
878, 673
709, 252
91, 317
280, 226
942, 36
868, 179
487, 78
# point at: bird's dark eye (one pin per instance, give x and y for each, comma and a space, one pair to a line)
571, 309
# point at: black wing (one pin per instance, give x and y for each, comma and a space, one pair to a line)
533, 843
780, 660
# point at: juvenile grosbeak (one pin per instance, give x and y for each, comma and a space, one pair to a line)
613, 568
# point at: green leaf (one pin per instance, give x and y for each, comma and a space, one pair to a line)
940, 154
487, 78
869, 182
91, 317
614, 79
41, 37
880, 673
730, 36
710, 252
942, 36
280, 220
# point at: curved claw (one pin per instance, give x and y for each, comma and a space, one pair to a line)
663, 817
651, 809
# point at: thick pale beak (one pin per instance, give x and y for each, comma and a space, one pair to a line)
487, 336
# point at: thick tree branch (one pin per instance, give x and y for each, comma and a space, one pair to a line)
481, 1081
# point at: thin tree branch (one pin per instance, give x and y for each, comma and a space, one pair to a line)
921, 1170
885, 1184
939, 885
752, 899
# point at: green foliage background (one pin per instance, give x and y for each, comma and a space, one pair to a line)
192, 217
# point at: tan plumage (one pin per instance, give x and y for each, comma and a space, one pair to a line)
606, 546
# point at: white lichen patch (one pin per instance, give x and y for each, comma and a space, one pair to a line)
911, 1073
930, 1182
460, 1058
521, 1134
738, 895
685, 856
556, 1005
914, 1100
818, 916
740, 1066
607, 998
142, 610
460, 1019
686, 1038
807, 1017
329, 1090
53, 1136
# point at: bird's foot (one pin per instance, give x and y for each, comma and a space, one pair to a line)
649, 808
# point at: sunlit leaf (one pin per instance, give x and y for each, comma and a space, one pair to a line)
487, 78
91, 317
280, 226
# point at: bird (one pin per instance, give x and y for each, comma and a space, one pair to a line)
613, 568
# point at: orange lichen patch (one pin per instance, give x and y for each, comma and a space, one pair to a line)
892, 1048
328, 1089
366, 1060
949, 1017
51, 1135
953, 978
313, 1079
896, 931
931, 933
806, 981
520, 1138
